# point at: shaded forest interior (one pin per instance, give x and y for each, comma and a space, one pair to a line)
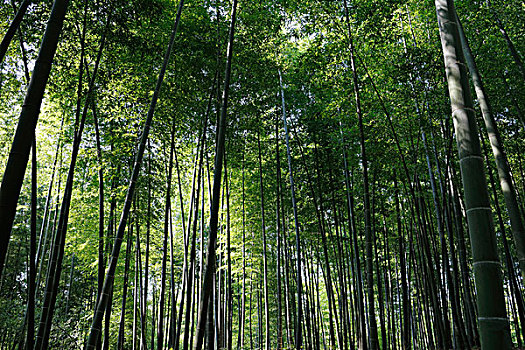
273, 174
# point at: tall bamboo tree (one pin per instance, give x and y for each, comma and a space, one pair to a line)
492, 318
502, 163
25, 131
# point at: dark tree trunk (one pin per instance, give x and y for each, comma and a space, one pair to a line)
299, 311
25, 131
13, 27
121, 329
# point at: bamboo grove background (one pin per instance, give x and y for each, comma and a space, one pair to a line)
314, 143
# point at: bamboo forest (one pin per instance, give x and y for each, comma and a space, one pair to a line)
270, 174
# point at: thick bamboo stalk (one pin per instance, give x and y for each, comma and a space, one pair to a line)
492, 317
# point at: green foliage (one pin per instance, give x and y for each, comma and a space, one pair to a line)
397, 44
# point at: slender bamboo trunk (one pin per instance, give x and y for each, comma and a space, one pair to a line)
109, 236
121, 331
512, 48
332, 309
192, 227
167, 209
380, 300
229, 290
139, 296
46, 220
406, 343
265, 263
278, 238
146, 262
70, 284
153, 318
173, 295
136, 279
242, 313
112, 265
13, 27
32, 253
101, 260
361, 327
299, 311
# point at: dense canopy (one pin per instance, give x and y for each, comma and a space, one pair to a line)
272, 174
